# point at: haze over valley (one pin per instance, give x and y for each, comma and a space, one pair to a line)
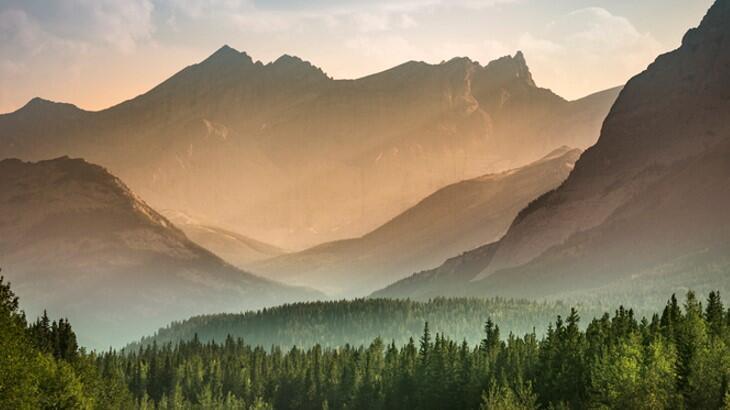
433, 235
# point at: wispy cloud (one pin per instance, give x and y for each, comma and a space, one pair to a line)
590, 40
363, 16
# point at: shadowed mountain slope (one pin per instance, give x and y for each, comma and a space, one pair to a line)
646, 207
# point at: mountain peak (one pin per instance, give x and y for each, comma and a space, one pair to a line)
42, 106
289, 59
512, 67
519, 58
293, 65
39, 102
226, 50
459, 60
227, 54
715, 23
645, 183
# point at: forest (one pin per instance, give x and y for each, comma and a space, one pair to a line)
677, 359
359, 321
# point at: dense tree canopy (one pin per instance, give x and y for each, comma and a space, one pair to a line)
41, 366
677, 359
356, 322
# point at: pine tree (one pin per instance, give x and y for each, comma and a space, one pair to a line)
690, 336
425, 344
715, 314
491, 341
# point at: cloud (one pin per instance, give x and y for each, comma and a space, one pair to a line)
589, 48
369, 22
119, 24
366, 17
48, 46
49, 42
203, 8
384, 48
493, 49
22, 38
262, 22
482, 4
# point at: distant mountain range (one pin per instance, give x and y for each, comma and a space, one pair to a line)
75, 240
282, 153
461, 216
645, 210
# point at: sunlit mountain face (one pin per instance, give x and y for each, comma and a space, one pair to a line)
284, 154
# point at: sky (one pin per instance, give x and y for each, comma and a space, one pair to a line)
97, 53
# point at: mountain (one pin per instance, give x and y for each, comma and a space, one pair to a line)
457, 217
74, 239
292, 157
239, 250
645, 209
451, 278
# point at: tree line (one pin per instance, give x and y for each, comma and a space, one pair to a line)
359, 321
677, 359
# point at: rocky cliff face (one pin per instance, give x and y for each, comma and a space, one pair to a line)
285, 154
75, 240
672, 112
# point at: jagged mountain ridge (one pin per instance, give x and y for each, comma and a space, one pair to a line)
287, 155
75, 240
646, 207
457, 217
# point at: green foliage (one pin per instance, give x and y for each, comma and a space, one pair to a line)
501, 397
60, 387
356, 322
19, 363
679, 360
41, 366
630, 375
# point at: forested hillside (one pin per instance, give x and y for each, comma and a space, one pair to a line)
356, 322
679, 359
